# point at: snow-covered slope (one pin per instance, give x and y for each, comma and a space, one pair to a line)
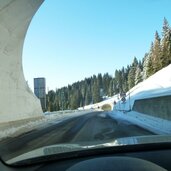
160, 81
109, 101
157, 85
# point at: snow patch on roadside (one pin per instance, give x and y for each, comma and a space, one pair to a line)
51, 118
153, 124
156, 85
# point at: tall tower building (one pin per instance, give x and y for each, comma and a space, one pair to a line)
40, 91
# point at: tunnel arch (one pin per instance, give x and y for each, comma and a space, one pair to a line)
16, 99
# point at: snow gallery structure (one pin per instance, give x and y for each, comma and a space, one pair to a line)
17, 101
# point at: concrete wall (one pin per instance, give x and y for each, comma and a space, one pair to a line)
16, 99
151, 123
158, 107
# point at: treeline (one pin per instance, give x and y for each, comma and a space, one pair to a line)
90, 90
94, 89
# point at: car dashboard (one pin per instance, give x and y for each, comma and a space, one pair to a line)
133, 157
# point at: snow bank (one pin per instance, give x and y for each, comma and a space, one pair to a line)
109, 101
153, 124
160, 80
157, 85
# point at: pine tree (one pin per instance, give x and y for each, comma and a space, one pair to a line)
145, 65
75, 100
150, 69
118, 81
131, 78
96, 92
100, 80
111, 91
156, 55
138, 75
166, 45
131, 75
88, 97
51, 101
115, 86
106, 82
124, 73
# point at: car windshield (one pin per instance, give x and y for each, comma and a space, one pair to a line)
83, 74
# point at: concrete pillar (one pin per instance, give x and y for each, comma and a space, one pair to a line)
16, 99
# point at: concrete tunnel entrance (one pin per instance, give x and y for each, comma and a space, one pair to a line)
17, 101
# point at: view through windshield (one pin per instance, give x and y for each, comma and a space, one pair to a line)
79, 75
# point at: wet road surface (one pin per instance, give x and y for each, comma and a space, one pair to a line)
94, 126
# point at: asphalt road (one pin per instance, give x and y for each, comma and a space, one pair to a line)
95, 126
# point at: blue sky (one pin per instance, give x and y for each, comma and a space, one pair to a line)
69, 40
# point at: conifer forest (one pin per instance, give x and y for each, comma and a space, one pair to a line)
95, 88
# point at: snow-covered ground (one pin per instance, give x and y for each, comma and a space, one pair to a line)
48, 119
153, 124
109, 100
157, 85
